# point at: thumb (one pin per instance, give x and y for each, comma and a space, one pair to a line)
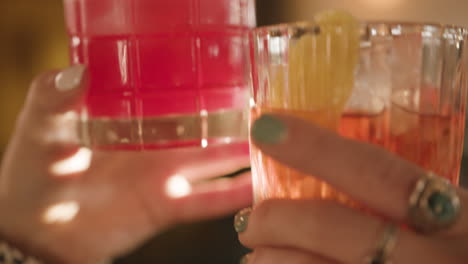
55, 92
49, 120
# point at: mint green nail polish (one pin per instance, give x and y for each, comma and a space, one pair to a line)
269, 130
244, 259
241, 220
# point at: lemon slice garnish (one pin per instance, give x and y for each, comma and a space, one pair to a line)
320, 71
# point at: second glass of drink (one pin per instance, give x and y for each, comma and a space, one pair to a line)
402, 86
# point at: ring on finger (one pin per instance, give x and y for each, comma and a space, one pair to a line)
385, 246
434, 204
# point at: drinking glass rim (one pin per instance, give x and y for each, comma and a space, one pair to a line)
285, 28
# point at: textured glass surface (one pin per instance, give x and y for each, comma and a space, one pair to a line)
153, 59
409, 97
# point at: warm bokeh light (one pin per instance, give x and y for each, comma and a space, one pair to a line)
178, 186
78, 162
252, 102
382, 4
65, 129
204, 143
61, 213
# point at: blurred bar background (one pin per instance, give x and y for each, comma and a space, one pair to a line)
33, 40
436, 11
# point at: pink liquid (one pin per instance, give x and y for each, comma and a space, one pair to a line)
162, 73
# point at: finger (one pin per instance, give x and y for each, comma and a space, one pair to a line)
213, 199
163, 188
281, 256
217, 161
214, 168
197, 164
51, 110
368, 173
336, 232
193, 164
56, 91
46, 129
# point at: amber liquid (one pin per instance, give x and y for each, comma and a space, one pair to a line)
432, 141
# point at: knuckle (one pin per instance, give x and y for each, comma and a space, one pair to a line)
387, 169
259, 256
391, 172
264, 212
263, 220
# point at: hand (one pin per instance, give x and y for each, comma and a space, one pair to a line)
71, 205
323, 232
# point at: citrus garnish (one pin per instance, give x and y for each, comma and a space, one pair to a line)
322, 62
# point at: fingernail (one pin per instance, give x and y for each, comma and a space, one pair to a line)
70, 78
269, 130
242, 220
244, 259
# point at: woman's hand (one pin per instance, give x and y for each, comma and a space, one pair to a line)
323, 232
71, 205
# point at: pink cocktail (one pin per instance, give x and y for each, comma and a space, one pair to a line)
162, 73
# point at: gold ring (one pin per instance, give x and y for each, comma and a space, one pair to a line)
385, 247
434, 204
